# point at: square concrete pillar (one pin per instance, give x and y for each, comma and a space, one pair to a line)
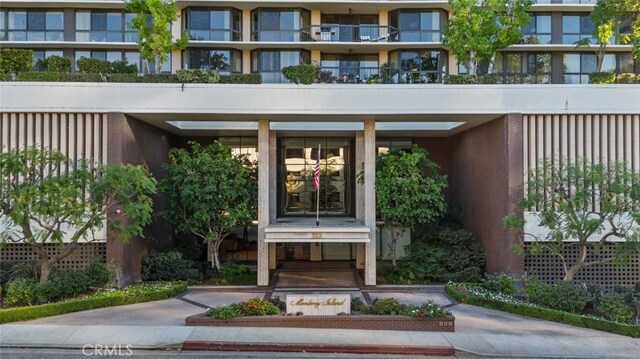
360, 258
370, 200
264, 215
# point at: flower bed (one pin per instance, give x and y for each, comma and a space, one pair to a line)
384, 314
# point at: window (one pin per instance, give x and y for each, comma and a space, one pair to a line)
348, 68
131, 57
214, 24
32, 25
44, 54
418, 66
279, 24
417, 25
576, 28
222, 60
269, 63
577, 67
98, 26
538, 30
348, 28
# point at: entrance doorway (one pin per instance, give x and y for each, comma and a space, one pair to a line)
297, 158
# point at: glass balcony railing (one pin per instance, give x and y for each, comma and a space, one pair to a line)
376, 75
350, 33
214, 35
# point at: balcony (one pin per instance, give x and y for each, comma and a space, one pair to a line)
330, 33
350, 33
376, 75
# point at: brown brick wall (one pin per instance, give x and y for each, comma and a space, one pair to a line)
486, 179
136, 142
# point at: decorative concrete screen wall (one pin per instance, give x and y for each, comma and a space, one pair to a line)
598, 138
78, 135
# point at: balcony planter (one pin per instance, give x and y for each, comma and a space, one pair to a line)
369, 322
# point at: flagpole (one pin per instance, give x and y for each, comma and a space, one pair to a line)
318, 195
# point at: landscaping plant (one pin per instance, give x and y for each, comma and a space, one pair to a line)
45, 197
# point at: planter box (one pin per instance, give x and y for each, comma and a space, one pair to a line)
370, 322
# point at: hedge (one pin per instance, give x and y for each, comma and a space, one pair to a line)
602, 77
44, 76
545, 313
300, 74
118, 297
15, 60
240, 79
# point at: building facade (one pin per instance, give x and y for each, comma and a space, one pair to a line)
484, 137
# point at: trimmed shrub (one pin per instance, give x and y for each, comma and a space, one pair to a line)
460, 79
168, 266
614, 307
90, 65
536, 290
39, 76
563, 295
82, 77
123, 78
601, 77
20, 291
388, 306
121, 67
501, 283
54, 64
15, 60
240, 79
135, 293
159, 78
358, 305
627, 78
258, 307
279, 303
5, 77
300, 74
428, 310
233, 272
197, 76
225, 312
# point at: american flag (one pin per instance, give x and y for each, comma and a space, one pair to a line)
316, 173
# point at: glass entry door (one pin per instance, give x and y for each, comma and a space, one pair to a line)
297, 158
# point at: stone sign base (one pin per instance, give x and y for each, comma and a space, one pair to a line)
370, 322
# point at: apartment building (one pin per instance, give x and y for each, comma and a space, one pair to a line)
383, 65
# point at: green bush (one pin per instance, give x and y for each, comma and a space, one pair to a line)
300, 74
15, 60
123, 78
458, 293
5, 77
562, 295
168, 266
39, 76
460, 79
68, 283
240, 79
440, 253
159, 78
90, 65
135, 293
225, 312
82, 77
614, 307
601, 77
197, 76
258, 307
388, 306
20, 291
428, 310
232, 271
121, 67
627, 78
54, 64
279, 303
501, 283
358, 305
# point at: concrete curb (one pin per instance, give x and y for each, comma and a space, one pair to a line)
319, 348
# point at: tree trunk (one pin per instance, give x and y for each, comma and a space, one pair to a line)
215, 257
156, 57
45, 271
392, 246
602, 49
571, 273
473, 66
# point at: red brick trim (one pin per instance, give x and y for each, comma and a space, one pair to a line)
369, 322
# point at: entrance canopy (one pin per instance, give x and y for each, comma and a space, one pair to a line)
304, 230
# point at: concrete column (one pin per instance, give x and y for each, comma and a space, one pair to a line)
246, 25
316, 57
370, 199
360, 257
176, 31
263, 200
316, 19
272, 194
383, 18
246, 61
383, 57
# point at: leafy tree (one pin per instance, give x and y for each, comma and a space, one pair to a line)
478, 29
609, 17
209, 193
153, 21
582, 205
406, 195
47, 198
